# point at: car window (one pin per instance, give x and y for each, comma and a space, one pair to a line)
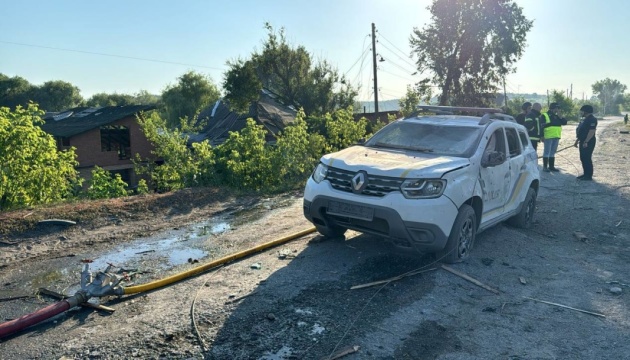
496, 143
514, 144
524, 139
430, 138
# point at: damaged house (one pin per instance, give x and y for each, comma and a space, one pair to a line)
108, 137
267, 111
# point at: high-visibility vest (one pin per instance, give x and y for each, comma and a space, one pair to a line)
551, 132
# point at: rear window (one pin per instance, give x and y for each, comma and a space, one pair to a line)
458, 141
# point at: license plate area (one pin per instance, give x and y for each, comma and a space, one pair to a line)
350, 210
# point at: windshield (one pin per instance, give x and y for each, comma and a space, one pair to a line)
431, 138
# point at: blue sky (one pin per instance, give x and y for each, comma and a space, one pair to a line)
572, 42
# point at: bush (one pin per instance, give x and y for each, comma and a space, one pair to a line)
105, 186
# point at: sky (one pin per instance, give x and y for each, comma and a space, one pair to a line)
128, 46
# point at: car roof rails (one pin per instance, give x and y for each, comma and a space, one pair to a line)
488, 113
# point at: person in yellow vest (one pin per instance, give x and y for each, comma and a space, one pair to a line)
552, 132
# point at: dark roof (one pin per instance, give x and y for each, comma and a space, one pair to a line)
78, 120
221, 120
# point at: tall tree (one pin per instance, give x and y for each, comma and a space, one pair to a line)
290, 73
14, 91
409, 103
610, 94
57, 95
192, 93
470, 46
241, 85
105, 99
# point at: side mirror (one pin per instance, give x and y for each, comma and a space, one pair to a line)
361, 141
492, 158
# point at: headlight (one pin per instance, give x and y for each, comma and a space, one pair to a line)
423, 188
320, 173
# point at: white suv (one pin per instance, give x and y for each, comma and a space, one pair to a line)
429, 183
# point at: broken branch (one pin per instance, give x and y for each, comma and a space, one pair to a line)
343, 352
395, 278
564, 306
466, 277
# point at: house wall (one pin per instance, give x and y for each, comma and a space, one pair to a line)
89, 154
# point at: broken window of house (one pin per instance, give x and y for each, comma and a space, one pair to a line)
116, 138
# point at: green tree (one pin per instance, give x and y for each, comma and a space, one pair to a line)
32, 170
245, 159
515, 105
14, 91
409, 103
183, 166
610, 94
103, 185
241, 85
115, 99
57, 95
342, 130
192, 93
291, 74
144, 97
469, 47
568, 108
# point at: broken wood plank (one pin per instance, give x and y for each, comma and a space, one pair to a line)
10, 298
395, 278
343, 352
566, 307
240, 298
466, 277
85, 304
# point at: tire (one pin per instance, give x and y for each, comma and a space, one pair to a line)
331, 231
525, 217
462, 237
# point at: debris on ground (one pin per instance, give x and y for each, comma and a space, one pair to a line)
565, 307
466, 277
256, 266
615, 290
522, 280
580, 236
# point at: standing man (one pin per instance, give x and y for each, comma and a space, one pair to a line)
586, 141
532, 124
625, 120
527, 106
552, 131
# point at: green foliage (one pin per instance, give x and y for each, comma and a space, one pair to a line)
192, 93
515, 105
105, 186
183, 166
241, 85
14, 91
32, 171
568, 108
409, 103
57, 95
293, 157
104, 99
469, 47
291, 74
244, 159
610, 94
143, 188
342, 131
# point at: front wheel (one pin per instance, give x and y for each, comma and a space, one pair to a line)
462, 236
525, 217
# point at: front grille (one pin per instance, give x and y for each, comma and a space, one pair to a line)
376, 185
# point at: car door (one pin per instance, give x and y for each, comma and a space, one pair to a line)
494, 175
517, 167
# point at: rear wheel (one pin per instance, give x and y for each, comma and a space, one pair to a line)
462, 237
525, 217
331, 231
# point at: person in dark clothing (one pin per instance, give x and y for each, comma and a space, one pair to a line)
586, 141
625, 120
520, 118
533, 124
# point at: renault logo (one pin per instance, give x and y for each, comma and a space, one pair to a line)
359, 181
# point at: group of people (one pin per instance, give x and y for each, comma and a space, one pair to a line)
547, 127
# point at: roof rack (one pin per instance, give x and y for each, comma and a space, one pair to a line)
488, 113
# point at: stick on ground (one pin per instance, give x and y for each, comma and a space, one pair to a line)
395, 278
466, 277
566, 307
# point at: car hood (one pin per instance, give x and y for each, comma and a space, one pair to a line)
402, 164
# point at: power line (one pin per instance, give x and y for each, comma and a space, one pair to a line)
398, 56
395, 47
111, 55
359, 58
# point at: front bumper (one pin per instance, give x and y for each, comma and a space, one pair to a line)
420, 224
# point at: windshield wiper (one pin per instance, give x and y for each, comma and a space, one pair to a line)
402, 147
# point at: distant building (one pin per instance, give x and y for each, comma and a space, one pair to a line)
220, 120
108, 137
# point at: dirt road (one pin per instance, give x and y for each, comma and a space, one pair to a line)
296, 302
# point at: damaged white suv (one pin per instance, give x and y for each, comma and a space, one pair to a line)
429, 182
